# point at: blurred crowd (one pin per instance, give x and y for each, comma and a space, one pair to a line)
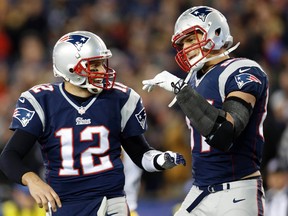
138, 32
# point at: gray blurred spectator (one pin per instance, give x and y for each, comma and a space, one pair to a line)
279, 105
277, 193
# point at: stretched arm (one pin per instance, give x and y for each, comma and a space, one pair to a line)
219, 126
11, 164
149, 159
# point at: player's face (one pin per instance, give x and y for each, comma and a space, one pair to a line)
96, 66
99, 74
192, 41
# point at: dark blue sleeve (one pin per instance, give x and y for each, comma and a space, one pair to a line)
26, 118
136, 123
252, 81
15, 150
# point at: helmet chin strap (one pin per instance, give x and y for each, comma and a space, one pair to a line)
95, 90
91, 88
202, 62
199, 64
222, 54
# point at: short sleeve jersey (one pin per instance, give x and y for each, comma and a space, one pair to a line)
212, 166
81, 143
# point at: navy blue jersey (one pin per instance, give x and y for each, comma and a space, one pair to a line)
80, 143
212, 166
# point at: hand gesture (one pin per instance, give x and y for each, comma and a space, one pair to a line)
163, 80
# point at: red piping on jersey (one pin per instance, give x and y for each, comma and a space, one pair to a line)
259, 199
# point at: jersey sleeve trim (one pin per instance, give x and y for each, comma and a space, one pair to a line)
36, 106
231, 69
129, 107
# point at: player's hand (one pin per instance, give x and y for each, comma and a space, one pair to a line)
169, 159
41, 192
163, 80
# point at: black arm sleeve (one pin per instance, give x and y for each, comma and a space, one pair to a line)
12, 155
135, 147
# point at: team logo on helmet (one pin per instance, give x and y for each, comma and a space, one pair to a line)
201, 13
77, 40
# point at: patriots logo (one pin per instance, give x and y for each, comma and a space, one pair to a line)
141, 118
201, 13
23, 115
244, 78
77, 40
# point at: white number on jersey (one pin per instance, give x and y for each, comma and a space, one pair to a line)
45, 87
86, 158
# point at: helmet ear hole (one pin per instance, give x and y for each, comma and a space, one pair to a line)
218, 31
71, 70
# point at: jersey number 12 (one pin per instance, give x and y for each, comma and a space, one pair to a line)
87, 156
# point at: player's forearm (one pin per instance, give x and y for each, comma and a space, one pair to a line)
149, 159
135, 147
15, 150
219, 126
12, 166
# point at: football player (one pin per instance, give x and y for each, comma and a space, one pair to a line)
225, 101
81, 124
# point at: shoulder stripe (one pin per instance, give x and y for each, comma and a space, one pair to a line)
129, 108
120, 87
231, 69
36, 106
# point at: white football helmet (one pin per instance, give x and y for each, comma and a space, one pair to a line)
216, 34
72, 55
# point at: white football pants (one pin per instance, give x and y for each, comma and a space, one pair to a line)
238, 198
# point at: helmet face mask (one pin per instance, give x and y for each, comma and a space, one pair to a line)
183, 53
74, 58
215, 35
104, 79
